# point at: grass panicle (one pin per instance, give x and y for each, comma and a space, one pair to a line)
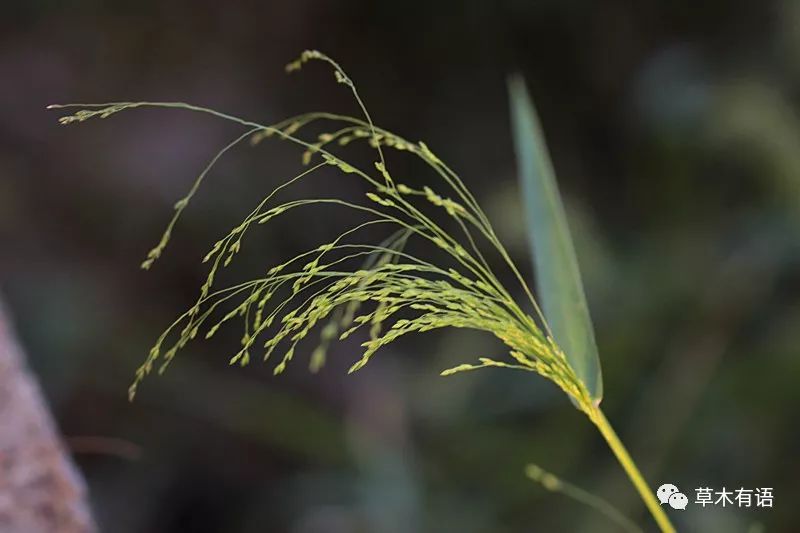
321, 287
346, 285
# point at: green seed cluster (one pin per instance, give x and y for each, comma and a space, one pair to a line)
344, 285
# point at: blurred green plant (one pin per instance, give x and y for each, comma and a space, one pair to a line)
553, 483
328, 285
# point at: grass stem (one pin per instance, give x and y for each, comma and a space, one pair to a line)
624, 458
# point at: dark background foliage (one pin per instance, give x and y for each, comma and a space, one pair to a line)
674, 131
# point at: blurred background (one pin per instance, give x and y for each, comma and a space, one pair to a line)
675, 134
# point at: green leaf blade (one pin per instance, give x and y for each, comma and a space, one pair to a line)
558, 279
